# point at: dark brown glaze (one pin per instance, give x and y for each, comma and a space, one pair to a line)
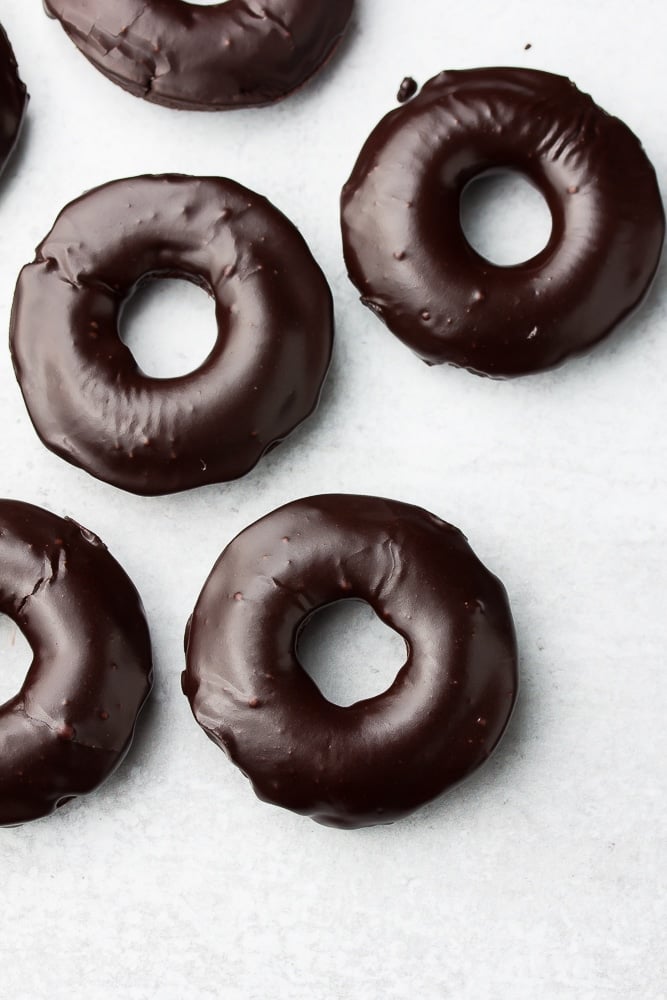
407, 90
90, 402
243, 53
13, 99
73, 720
407, 254
382, 757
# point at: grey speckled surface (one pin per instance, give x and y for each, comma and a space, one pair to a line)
544, 875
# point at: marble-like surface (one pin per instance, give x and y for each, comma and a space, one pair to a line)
543, 876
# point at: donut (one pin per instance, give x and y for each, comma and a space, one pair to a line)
381, 758
407, 254
87, 397
73, 720
13, 99
205, 58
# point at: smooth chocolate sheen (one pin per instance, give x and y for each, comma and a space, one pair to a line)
381, 758
87, 397
73, 720
13, 99
407, 254
243, 53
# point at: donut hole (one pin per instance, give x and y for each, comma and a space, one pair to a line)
505, 218
15, 658
169, 325
349, 652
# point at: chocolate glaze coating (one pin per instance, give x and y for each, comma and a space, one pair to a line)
13, 99
87, 397
73, 720
205, 58
380, 758
406, 252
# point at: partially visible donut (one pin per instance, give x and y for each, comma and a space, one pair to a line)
243, 53
380, 758
73, 720
87, 397
13, 99
407, 254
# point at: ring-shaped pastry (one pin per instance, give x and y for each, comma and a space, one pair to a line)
87, 397
73, 720
380, 758
407, 253
243, 53
13, 99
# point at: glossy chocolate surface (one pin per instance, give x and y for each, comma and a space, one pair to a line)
406, 252
380, 758
73, 720
13, 99
87, 397
205, 58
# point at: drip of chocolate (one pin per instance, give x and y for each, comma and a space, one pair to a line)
407, 90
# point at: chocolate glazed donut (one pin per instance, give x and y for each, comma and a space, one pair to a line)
88, 399
380, 758
73, 720
13, 99
242, 53
407, 254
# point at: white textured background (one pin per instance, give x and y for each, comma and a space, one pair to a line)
544, 875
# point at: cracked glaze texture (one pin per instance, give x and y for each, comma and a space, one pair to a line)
73, 720
205, 58
13, 99
406, 252
87, 397
380, 758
